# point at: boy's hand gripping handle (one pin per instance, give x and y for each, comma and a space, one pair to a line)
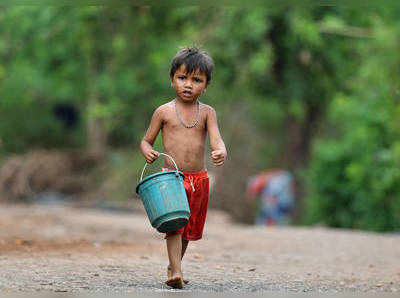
170, 157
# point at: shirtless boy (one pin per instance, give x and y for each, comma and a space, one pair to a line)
184, 123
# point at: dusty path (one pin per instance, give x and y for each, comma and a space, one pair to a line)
78, 250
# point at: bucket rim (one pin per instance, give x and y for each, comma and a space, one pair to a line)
155, 175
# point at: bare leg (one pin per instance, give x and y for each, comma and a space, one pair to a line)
184, 247
174, 247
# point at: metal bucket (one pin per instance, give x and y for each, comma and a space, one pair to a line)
164, 198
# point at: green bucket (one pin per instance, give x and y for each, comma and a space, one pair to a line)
164, 198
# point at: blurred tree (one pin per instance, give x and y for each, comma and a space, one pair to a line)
101, 60
34, 77
288, 66
360, 167
279, 71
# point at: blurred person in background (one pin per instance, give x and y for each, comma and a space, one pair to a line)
274, 191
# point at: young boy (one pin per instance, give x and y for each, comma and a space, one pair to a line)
184, 123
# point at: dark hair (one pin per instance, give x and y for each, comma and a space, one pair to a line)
194, 59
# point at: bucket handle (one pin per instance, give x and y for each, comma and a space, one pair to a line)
170, 157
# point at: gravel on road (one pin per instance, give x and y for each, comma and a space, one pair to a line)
78, 250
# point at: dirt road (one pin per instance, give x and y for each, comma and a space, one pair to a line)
64, 249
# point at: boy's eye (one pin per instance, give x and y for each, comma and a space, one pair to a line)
181, 77
198, 80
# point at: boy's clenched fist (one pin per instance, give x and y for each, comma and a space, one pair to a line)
151, 155
218, 157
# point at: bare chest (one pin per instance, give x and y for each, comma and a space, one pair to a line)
172, 125
189, 121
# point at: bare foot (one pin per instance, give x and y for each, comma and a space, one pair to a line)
169, 274
175, 281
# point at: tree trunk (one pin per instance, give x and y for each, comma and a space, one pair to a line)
96, 133
298, 148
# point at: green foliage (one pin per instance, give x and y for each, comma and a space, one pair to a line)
282, 75
355, 178
120, 57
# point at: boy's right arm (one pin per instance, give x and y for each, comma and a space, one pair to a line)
146, 146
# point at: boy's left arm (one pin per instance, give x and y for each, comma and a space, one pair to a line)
217, 145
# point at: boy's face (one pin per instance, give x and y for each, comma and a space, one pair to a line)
189, 87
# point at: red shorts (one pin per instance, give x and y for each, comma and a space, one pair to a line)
197, 191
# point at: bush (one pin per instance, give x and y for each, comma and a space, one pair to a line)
354, 181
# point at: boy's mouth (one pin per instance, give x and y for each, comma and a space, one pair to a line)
187, 93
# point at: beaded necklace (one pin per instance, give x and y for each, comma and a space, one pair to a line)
180, 119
